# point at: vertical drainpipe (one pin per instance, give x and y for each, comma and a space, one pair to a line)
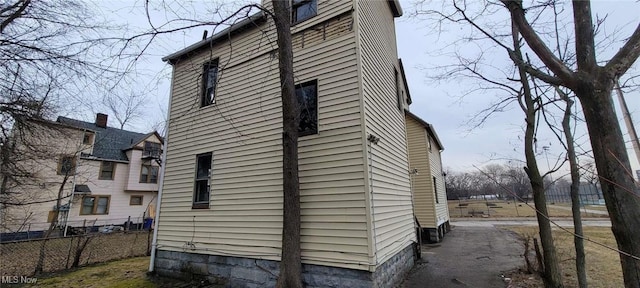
154, 243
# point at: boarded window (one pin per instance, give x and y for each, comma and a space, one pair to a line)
135, 200
107, 170
209, 81
307, 94
95, 205
202, 183
303, 9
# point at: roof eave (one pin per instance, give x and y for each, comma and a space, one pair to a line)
251, 20
428, 126
395, 8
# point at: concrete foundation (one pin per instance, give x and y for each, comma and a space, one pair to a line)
435, 235
245, 272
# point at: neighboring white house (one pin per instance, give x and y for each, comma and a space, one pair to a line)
221, 207
106, 175
428, 183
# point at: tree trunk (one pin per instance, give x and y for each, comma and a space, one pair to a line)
290, 263
614, 171
575, 194
40, 264
552, 272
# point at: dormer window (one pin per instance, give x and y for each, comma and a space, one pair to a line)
303, 9
151, 149
88, 138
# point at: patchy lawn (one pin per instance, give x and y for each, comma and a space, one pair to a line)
603, 265
128, 273
501, 209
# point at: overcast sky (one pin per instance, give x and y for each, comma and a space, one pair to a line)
421, 48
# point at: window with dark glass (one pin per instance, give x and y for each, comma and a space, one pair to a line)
106, 170
151, 149
307, 94
303, 9
95, 205
209, 80
203, 178
435, 189
149, 174
66, 165
87, 138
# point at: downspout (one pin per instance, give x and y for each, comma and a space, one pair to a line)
154, 242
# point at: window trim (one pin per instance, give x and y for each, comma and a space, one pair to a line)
301, 3
95, 204
136, 196
113, 170
73, 164
304, 84
151, 168
205, 69
202, 204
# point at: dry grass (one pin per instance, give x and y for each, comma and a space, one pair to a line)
117, 274
603, 265
502, 209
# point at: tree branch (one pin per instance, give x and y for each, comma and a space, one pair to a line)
626, 56
585, 47
537, 45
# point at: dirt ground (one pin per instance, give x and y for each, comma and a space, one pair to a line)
468, 257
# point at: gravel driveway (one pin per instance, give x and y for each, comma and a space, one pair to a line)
467, 257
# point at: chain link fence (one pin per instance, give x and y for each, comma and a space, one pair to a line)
83, 245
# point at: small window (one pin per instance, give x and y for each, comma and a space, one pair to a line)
151, 149
203, 178
135, 200
149, 174
106, 170
303, 9
429, 142
209, 80
95, 205
435, 189
66, 165
307, 94
399, 92
88, 138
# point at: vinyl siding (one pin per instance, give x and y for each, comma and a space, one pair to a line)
388, 166
243, 131
422, 183
442, 209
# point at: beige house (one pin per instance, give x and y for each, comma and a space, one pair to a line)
428, 183
106, 175
221, 204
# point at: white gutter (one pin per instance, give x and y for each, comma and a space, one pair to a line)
154, 243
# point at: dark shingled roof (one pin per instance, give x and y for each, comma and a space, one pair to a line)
110, 143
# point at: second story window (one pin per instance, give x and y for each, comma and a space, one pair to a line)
307, 94
203, 177
87, 138
107, 170
149, 174
151, 149
209, 80
435, 189
66, 165
303, 9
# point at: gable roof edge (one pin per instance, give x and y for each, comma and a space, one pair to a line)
429, 127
